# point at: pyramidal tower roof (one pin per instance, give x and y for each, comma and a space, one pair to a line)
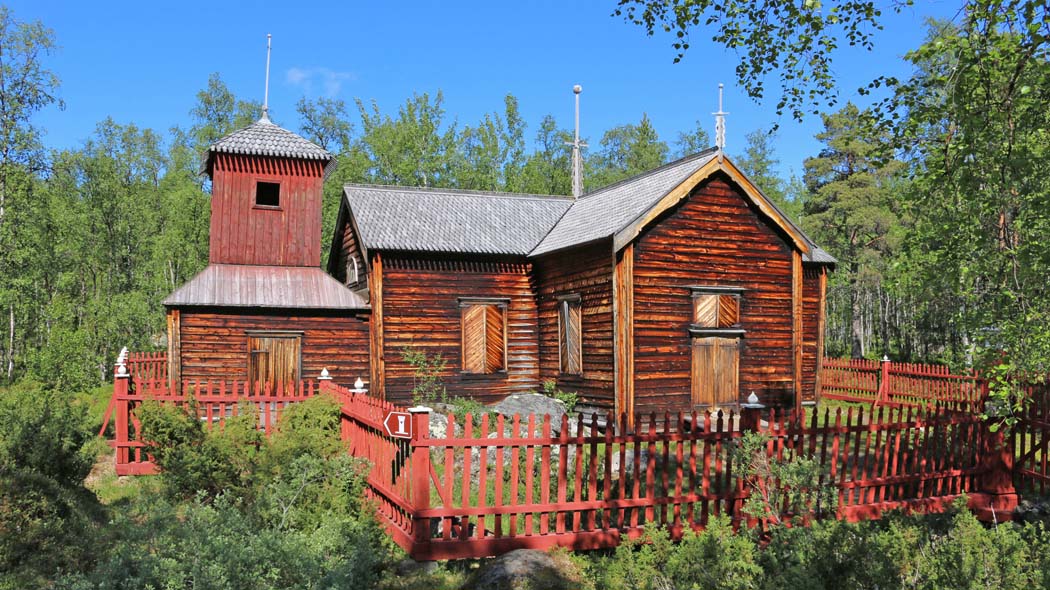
264, 138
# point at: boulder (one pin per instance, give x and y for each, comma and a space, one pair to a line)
532, 403
527, 569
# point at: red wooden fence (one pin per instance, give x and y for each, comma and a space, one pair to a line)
897, 384
214, 402
493, 484
148, 366
1031, 440
521, 482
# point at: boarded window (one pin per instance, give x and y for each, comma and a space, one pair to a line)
273, 358
268, 194
716, 310
484, 328
570, 335
716, 370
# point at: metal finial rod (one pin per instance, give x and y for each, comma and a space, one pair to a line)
577, 163
266, 92
720, 122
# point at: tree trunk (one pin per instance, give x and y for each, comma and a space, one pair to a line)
856, 312
11, 344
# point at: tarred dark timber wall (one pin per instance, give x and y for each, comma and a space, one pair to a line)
243, 233
810, 330
588, 272
214, 342
712, 238
421, 310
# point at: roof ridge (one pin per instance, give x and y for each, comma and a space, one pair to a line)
458, 192
661, 168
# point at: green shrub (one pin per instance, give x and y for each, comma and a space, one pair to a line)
42, 433
427, 386
569, 398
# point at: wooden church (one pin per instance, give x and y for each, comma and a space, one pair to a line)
681, 288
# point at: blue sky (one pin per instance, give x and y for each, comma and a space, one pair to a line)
143, 62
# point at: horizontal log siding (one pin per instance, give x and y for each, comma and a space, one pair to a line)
810, 327
214, 343
587, 271
348, 249
712, 238
421, 310
242, 233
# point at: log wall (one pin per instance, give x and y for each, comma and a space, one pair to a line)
588, 272
811, 308
420, 309
348, 250
714, 237
214, 342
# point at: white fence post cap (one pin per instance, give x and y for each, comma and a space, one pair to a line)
324, 375
420, 410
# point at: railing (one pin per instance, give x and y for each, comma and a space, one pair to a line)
898, 384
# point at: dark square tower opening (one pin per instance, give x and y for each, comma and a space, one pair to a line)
268, 194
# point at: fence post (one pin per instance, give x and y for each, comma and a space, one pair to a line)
998, 497
884, 383
121, 379
751, 413
420, 498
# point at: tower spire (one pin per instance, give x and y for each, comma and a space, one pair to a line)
577, 161
720, 124
266, 92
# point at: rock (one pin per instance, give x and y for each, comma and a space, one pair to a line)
411, 567
439, 425
532, 403
527, 569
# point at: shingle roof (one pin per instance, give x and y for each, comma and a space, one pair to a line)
264, 138
470, 222
601, 213
455, 221
236, 285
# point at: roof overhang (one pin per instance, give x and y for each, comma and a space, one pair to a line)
265, 287
720, 164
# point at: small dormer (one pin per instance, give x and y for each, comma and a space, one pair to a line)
266, 197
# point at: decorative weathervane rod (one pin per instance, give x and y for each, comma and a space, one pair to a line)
266, 92
720, 124
577, 160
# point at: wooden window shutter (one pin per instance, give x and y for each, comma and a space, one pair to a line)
484, 338
728, 311
273, 359
705, 310
570, 337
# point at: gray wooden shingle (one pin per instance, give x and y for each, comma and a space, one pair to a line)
264, 138
453, 221
473, 222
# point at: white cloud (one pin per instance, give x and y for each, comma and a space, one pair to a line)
328, 82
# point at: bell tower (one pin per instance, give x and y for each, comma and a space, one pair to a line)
266, 197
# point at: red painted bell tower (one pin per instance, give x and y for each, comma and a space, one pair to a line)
266, 197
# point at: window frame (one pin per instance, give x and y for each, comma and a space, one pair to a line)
296, 334
701, 330
564, 302
501, 303
255, 193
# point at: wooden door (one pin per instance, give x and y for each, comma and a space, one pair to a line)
716, 371
273, 359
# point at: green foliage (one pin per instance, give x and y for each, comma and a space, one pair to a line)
787, 488
797, 41
42, 433
625, 151
427, 371
48, 521
569, 398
